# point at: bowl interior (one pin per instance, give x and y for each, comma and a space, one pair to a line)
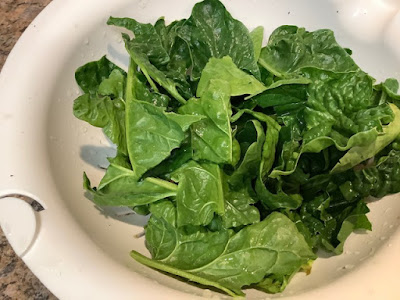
74, 146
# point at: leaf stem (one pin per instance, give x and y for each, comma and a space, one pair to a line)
162, 267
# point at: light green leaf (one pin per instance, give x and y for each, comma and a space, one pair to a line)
240, 83
120, 187
358, 154
257, 36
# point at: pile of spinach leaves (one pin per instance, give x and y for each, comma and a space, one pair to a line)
248, 159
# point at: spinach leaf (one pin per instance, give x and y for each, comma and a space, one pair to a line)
239, 208
120, 187
90, 75
212, 32
275, 242
178, 51
151, 72
357, 219
282, 95
164, 209
339, 111
257, 36
141, 91
240, 83
182, 248
377, 180
198, 200
102, 105
146, 41
291, 48
279, 199
212, 137
249, 166
391, 87
358, 154
152, 134
178, 158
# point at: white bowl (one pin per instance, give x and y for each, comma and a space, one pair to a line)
81, 252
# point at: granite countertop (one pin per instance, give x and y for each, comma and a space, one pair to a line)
16, 280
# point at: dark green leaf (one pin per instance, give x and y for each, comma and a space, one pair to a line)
290, 49
92, 74
212, 32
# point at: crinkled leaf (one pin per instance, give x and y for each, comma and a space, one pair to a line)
93, 73
151, 71
358, 154
212, 32
103, 105
290, 49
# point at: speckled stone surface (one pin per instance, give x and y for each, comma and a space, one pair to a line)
16, 280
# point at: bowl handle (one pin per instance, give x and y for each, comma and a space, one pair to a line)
19, 223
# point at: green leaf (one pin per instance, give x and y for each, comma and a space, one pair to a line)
93, 73
272, 246
240, 83
140, 90
212, 32
288, 92
257, 36
250, 165
198, 200
212, 137
271, 200
152, 134
358, 154
178, 157
150, 71
274, 284
290, 49
357, 219
391, 87
164, 209
271, 140
184, 121
120, 187
146, 41
378, 180
340, 111
114, 85
239, 209
103, 105
165, 268
181, 247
